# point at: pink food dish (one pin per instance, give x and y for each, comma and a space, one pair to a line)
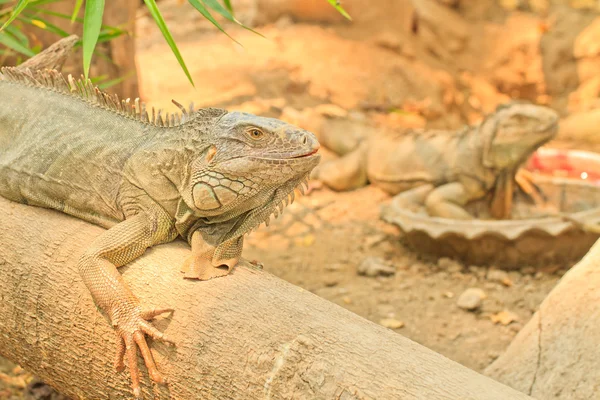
571, 164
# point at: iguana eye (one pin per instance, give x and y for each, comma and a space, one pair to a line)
255, 133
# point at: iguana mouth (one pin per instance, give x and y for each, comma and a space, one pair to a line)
313, 152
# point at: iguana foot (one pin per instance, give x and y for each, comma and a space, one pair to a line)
202, 268
252, 264
526, 182
131, 328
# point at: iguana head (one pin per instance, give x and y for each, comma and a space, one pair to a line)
248, 169
514, 132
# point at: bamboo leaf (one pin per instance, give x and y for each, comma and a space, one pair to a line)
202, 9
20, 36
158, 18
14, 44
92, 23
228, 6
78, 4
215, 5
336, 4
42, 24
21, 4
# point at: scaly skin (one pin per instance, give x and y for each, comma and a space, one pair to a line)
210, 179
444, 170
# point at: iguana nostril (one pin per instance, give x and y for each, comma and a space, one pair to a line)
304, 139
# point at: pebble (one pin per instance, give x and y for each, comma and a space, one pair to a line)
375, 266
471, 299
477, 271
331, 281
497, 275
391, 323
449, 265
528, 270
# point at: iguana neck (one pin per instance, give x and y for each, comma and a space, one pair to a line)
219, 228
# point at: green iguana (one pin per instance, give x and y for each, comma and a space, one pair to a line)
209, 176
444, 170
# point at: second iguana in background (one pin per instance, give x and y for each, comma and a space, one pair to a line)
444, 170
209, 176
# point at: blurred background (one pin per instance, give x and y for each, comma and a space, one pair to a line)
397, 64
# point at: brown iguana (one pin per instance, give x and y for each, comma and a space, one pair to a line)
444, 170
209, 176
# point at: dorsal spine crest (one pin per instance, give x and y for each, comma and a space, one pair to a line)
85, 90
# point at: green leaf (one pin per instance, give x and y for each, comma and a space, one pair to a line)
202, 9
42, 24
92, 22
108, 35
20, 36
14, 44
215, 5
65, 16
337, 6
158, 18
21, 4
228, 5
78, 4
105, 84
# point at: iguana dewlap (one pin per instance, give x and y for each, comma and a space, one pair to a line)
209, 176
444, 170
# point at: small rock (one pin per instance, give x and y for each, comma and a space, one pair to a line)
331, 281
477, 271
347, 300
333, 267
448, 295
449, 264
496, 275
471, 299
375, 266
504, 317
418, 268
528, 270
391, 323
538, 275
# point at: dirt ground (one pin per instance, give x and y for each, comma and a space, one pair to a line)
395, 56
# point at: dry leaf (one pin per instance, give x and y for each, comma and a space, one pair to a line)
504, 317
391, 323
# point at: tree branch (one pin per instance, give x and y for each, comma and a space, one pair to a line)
248, 335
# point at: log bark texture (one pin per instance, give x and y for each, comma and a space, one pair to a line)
249, 335
557, 354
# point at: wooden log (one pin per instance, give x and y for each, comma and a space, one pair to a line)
245, 336
557, 354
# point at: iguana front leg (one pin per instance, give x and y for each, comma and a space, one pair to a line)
98, 268
445, 201
448, 201
345, 173
207, 262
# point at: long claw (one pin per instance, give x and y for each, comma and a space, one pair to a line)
148, 359
154, 333
118, 363
134, 371
526, 182
150, 314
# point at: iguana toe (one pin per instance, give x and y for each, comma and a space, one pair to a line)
202, 268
